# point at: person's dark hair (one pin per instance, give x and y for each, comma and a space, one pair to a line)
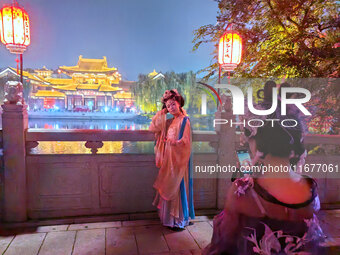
267, 91
285, 85
281, 141
174, 96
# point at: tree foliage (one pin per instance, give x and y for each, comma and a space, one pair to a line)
282, 38
148, 91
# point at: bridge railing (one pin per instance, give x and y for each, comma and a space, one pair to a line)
59, 185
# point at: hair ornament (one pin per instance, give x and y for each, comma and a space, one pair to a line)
168, 93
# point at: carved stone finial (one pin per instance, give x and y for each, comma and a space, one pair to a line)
14, 93
94, 146
31, 145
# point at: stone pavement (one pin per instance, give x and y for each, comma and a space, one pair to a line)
128, 237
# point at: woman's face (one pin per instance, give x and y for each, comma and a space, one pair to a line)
172, 106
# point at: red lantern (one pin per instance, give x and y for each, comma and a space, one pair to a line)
14, 28
230, 50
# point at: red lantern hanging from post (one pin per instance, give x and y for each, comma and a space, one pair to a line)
14, 28
230, 50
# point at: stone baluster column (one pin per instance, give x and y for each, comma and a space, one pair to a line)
226, 147
14, 127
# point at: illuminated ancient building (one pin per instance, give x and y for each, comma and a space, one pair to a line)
154, 75
91, 86
44, 72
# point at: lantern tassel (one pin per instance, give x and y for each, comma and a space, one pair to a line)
17, 60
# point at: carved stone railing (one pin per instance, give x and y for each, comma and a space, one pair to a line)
1, 175
94, 138
49, 185
60, 185
225, 141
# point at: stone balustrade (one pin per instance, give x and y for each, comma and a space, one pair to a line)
38, 186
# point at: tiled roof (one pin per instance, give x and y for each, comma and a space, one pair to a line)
88, 65
57, 81
88, 86
123, 95
72, 87
49, 93
106, 88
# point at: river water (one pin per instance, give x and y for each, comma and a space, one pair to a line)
88, 124
109, 147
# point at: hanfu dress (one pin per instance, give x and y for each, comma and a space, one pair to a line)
174, 189
240, 234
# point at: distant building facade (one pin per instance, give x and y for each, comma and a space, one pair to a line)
89, 86
154, 75
43, 72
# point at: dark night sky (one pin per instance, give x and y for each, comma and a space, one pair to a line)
136, 36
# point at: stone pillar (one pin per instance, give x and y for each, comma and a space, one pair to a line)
14, 127
226, 147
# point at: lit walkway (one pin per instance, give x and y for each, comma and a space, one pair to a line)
127, 237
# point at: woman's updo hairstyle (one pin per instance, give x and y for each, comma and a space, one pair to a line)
281, 141
173, 95
266, 92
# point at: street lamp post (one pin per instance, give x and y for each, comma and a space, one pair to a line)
15, 30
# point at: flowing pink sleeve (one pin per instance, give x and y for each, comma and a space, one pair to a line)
158, 122
175, 163
158, 126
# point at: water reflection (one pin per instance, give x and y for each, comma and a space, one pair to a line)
108, 147
75, 148
202, 123
88, 124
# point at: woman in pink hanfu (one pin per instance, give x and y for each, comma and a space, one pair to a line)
274, 212
174, 197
